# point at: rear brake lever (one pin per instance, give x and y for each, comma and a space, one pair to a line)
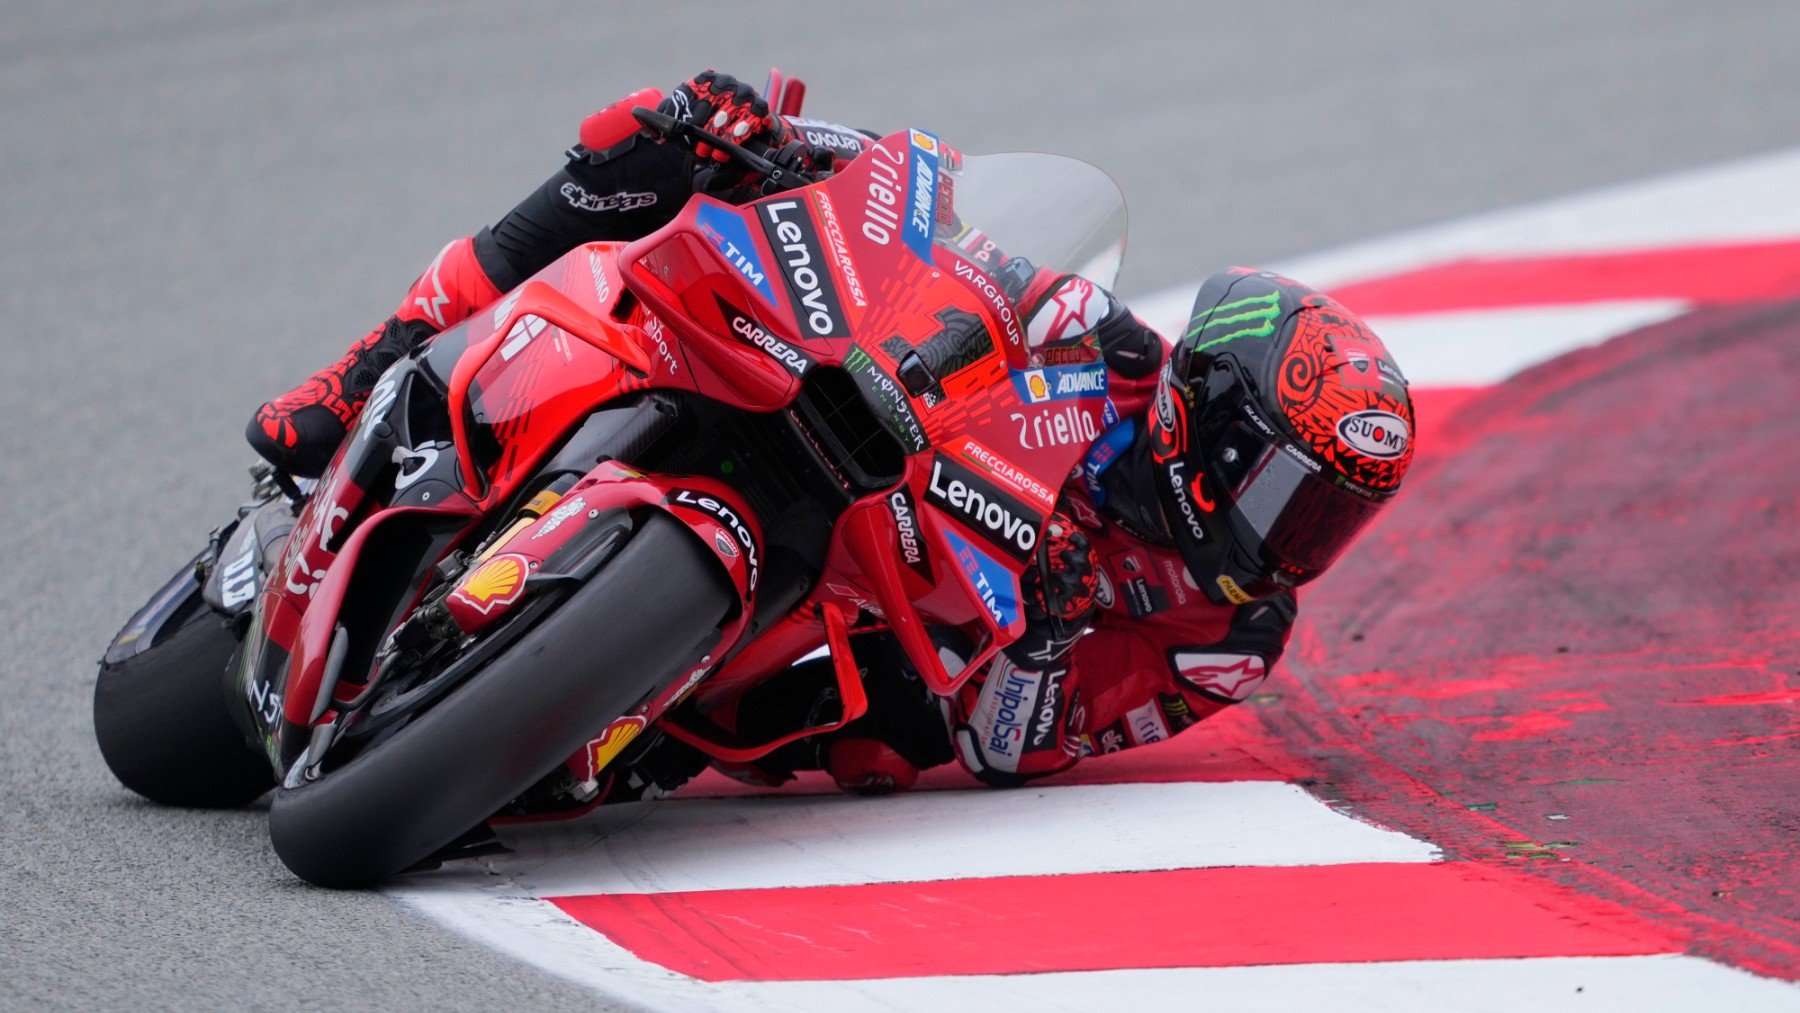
689, 135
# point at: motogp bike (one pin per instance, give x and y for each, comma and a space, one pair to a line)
591, 515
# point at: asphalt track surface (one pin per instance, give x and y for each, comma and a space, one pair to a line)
204, 202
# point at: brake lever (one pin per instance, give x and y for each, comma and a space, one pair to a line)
690, 135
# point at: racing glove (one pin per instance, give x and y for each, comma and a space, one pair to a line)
1058, 594
721, 104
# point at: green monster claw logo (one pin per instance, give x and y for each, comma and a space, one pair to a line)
1253, 317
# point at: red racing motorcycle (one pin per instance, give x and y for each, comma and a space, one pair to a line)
598, 511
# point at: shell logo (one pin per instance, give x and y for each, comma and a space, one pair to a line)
1034, 382
613, 741
499, 581
924, 142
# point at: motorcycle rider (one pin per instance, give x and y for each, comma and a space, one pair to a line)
1242, 462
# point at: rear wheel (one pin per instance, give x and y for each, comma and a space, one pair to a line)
625, 633
163, 721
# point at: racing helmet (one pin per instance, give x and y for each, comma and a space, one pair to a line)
1281, 426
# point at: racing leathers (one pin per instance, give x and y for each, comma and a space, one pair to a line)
1156, 656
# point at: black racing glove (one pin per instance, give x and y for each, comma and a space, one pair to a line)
721, 104
1058, 593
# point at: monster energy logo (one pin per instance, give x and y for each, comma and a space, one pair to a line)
1253, 317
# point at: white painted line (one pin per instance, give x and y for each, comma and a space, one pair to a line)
1752, 200
537, 933
496, 915
1500, 986
747, 843
1478, 347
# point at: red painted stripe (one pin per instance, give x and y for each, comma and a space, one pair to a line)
1102, 921
1591, 635
1708, 275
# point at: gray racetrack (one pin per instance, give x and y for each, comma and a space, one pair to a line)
204, 202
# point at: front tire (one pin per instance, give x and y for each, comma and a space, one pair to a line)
163, 722
625, 633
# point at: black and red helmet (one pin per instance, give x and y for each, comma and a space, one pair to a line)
1281, 426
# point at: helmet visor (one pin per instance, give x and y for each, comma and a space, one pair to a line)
1300, 518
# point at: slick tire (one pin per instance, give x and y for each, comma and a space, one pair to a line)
628, 631
164, 726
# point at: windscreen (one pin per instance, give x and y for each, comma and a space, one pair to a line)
1060, 213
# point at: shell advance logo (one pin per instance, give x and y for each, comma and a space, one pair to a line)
921, 194
727, 232
1060, 383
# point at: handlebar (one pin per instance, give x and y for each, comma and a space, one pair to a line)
777, 178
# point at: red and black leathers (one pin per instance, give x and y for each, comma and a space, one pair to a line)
1156, 656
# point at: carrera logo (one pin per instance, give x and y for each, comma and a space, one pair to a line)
796, 361
981, 505
796, 242
1377, 434
906, 528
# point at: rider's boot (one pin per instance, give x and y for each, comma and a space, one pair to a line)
299, 431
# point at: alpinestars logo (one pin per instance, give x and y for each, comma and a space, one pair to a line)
810, 288
981, 505
581, 199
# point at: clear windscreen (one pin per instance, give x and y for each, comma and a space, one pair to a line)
1060, 213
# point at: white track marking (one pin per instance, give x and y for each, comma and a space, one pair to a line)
748, 843
1500, 986
1752, 200
1485, 346
537, 933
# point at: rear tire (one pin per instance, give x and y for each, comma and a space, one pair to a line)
625, 633
163, 721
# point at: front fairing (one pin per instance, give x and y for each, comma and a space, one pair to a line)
907, 272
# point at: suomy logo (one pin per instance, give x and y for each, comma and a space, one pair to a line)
1378, 434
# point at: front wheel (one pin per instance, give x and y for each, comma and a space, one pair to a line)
624, 634
163, 721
